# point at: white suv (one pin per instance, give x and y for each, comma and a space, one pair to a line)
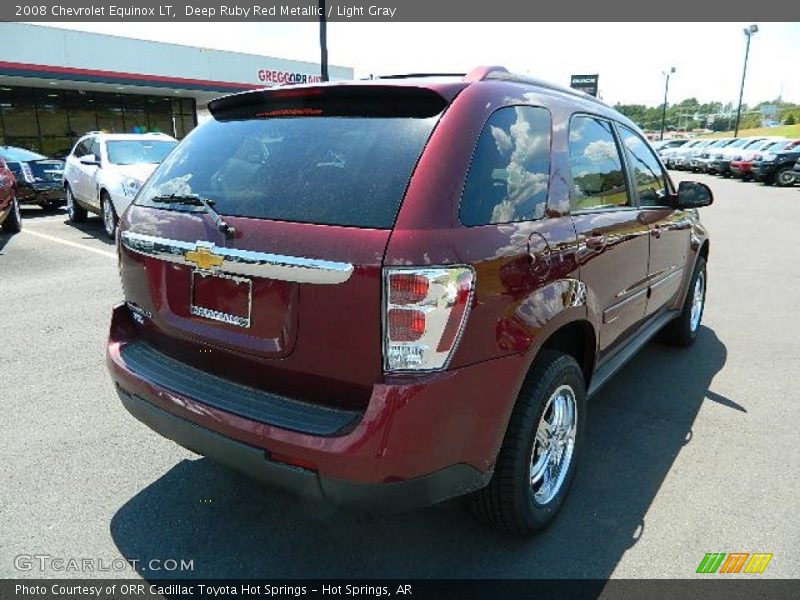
105, 170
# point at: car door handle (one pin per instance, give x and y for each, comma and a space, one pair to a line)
656, 231
596, 241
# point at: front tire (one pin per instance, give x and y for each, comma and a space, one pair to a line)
75, 212
109, 215
13, 222
682, 331
537, 460
784, 177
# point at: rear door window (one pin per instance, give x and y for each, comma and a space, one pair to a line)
510, 169
331, 170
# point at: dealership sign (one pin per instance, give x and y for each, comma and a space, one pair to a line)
585, 83
275, 77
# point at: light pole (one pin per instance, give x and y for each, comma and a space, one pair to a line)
749, 32
323, 41
666, 91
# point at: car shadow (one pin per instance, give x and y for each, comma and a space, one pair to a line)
32, 212
231, 527
92, 229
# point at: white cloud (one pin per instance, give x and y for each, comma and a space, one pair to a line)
599, 151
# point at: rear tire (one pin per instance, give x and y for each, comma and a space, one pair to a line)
682, 331
537, 460
13, 222
75, 212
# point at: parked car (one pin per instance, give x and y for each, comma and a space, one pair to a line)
671, 155
700, 161
776, 167
10, 216
39, 178
681, 161
394, 308
741, 165
662, 145
721, 159
796, 171
104, 172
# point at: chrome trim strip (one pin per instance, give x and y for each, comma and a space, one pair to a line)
611, 314
658, 283
242, 262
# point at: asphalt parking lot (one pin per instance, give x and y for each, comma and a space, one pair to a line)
688, 451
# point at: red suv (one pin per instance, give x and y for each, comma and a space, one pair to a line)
389, 293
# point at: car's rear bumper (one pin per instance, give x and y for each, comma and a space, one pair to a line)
40, 194
255, 462
419, 441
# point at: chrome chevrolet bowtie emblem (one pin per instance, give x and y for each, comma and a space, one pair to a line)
203, 258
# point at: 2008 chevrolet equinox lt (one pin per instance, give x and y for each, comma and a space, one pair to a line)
389, 293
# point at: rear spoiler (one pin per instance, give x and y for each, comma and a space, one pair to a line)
368, 100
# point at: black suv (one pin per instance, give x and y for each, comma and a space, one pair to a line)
777, 168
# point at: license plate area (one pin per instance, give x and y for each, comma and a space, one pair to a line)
224, 298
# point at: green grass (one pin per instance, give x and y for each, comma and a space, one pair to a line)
789, 131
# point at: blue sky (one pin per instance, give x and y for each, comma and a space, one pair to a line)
629, 57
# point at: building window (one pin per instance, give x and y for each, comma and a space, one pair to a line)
51, 121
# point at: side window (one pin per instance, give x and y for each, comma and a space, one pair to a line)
510, 169
651, 183
598, 180
81, 149
94, 147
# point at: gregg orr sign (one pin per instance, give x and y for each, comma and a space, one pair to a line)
286, 77
585, 83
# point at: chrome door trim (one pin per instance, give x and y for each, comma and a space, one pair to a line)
247, 263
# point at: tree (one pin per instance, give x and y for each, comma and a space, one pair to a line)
790, 120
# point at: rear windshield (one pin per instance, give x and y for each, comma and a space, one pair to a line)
136, 152
350, 171
19, 154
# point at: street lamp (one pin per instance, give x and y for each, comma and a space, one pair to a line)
323, 41
666, 91
749, 32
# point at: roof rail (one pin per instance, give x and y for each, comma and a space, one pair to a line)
503, 74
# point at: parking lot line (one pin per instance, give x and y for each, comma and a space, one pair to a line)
68, 243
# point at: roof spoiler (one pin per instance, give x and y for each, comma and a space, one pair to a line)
351, 100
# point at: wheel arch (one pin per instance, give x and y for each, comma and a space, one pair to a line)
576, 338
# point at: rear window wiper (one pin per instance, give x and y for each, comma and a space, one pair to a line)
206, 203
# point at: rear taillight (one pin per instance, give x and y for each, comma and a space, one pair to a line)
424, 313
27, 173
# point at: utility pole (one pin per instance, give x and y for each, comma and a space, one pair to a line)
749, 32
664, 108
323, 41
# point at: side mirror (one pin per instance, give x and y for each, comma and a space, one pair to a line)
693, 194
90, 160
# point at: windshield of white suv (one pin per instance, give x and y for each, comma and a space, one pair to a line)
137, 152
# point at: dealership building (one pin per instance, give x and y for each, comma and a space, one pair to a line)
57, 84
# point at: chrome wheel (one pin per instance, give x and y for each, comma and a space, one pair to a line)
554, 445
109, 220
698, 299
